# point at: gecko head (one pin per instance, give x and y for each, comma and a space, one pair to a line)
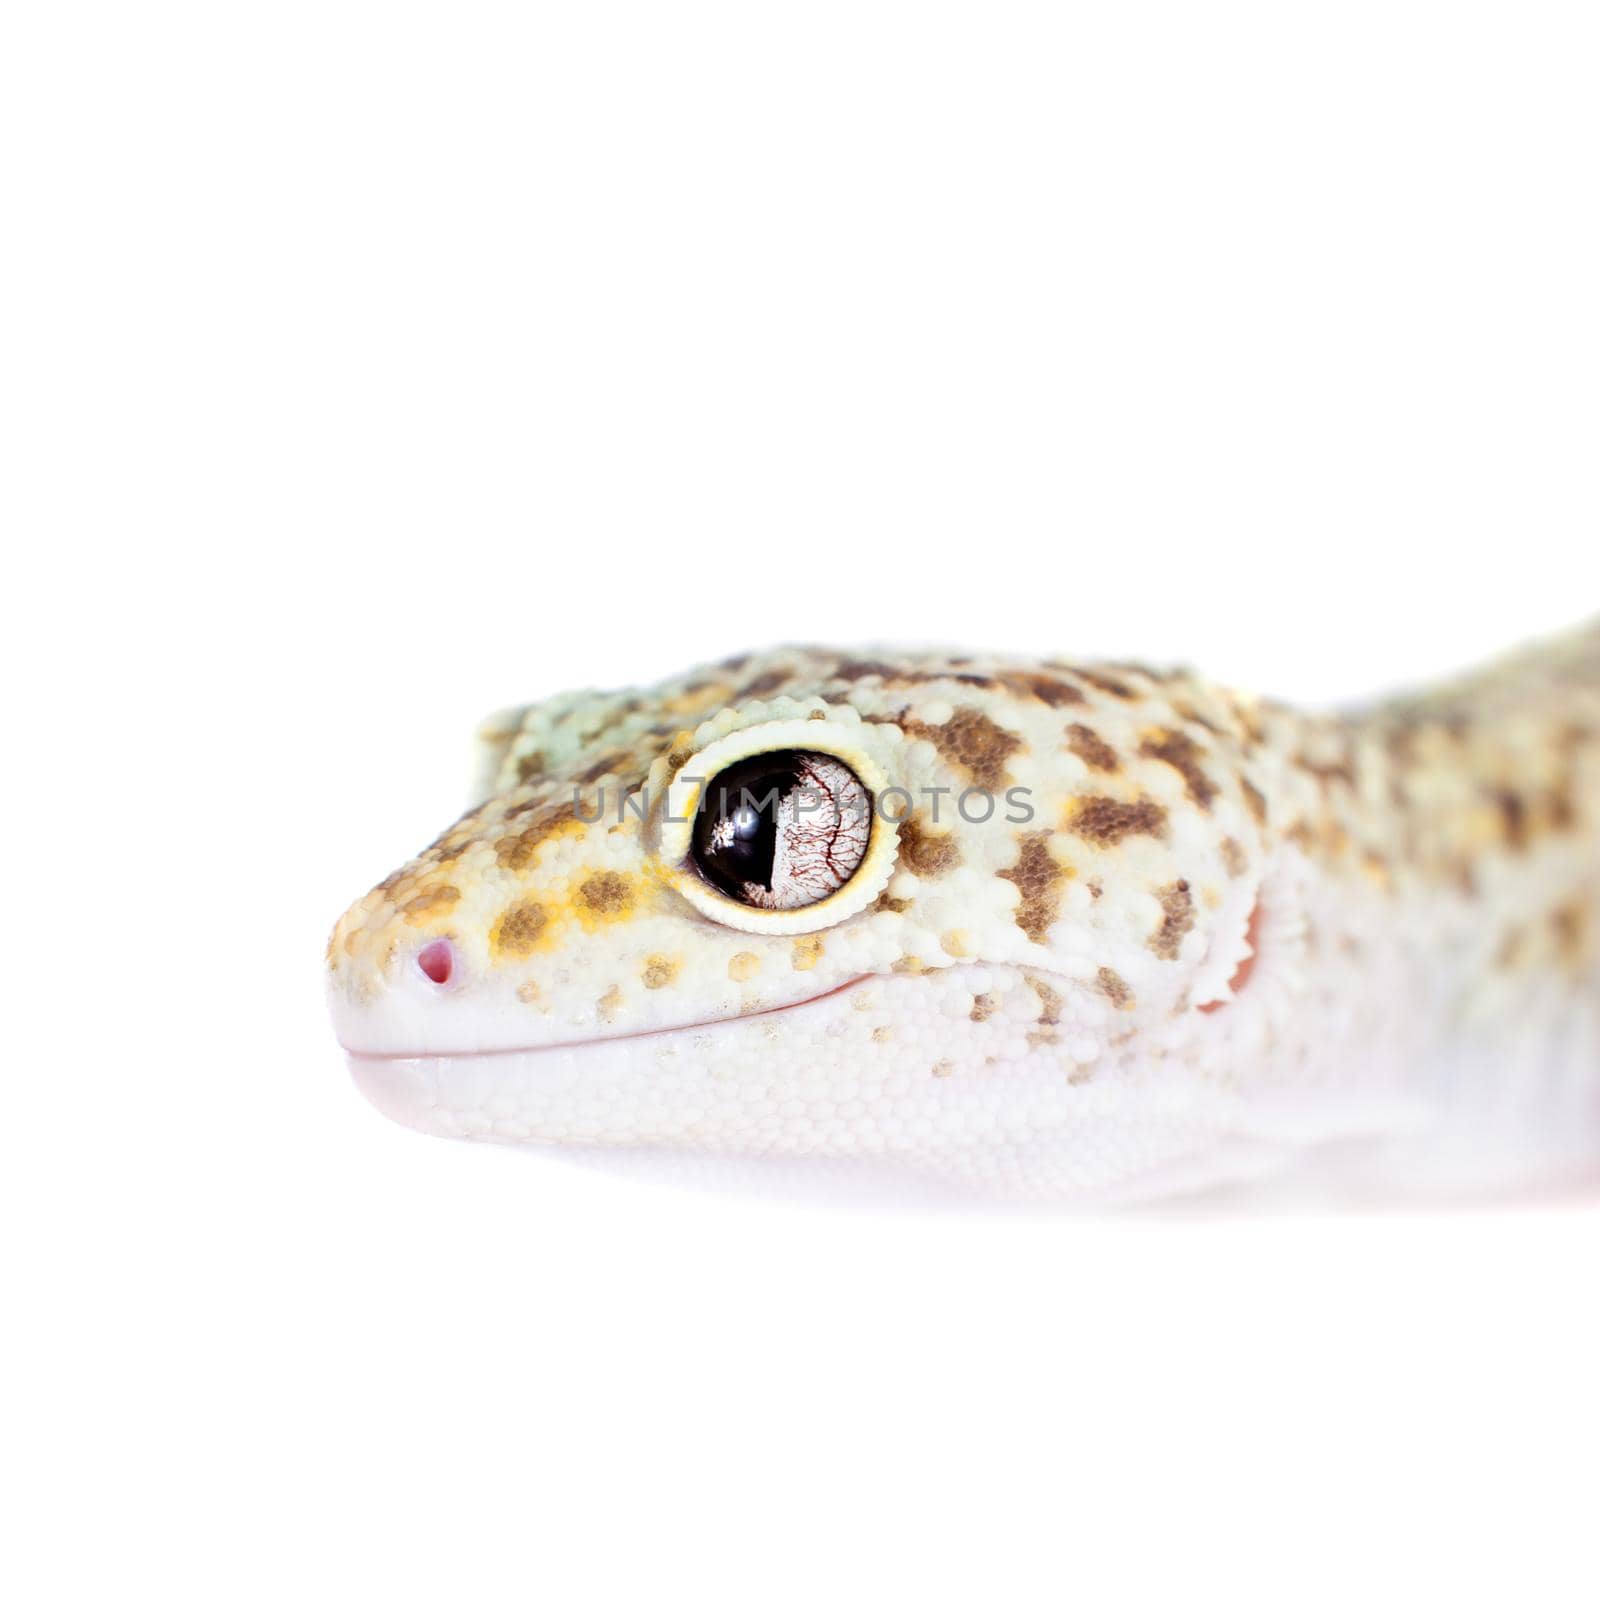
949, 916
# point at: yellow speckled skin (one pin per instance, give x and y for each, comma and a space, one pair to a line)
1198, 937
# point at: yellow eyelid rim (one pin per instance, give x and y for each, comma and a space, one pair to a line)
691, 781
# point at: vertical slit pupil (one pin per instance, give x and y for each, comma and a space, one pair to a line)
735, 836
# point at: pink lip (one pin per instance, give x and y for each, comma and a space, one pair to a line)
572, 1044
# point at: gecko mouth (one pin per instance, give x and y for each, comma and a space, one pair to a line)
365, 1056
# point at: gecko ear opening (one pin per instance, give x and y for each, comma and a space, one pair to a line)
1247, 964
777, 828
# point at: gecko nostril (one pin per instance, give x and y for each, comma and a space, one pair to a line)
437, 960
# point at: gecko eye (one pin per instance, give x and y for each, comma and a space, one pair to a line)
772, 828
783, 829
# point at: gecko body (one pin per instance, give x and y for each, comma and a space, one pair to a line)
1031, 929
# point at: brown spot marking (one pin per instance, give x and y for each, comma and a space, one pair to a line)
805, 953
1091, 749
889, 902
1105, 683
1038, 879
1561, 809
609, 1004
969, 740
744, 966
881, 1035
530, 766
943, 1069
605, 766
907, 964
1052, 691
660, 971
1513, 818
528, 993
1255, 802
518, 929
1181, 753
516, 851
1233, 857
422, 906
905, 677
1189, 714
1328, 772
535, 798
1115, 989
1569, 926
983, 1007
606, 894
927, 854
1177, 918
1049, 1002
1253, 723
1104, 821
765, 683
853, 671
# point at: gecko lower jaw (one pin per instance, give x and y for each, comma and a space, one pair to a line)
357, 1057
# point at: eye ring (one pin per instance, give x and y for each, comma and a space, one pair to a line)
794, 871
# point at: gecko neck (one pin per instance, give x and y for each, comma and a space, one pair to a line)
1449, 856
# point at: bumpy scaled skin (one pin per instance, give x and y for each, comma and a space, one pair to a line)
1200, 938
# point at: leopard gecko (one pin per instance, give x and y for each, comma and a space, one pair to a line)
1030, 930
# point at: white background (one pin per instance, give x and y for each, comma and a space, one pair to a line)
367, 366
